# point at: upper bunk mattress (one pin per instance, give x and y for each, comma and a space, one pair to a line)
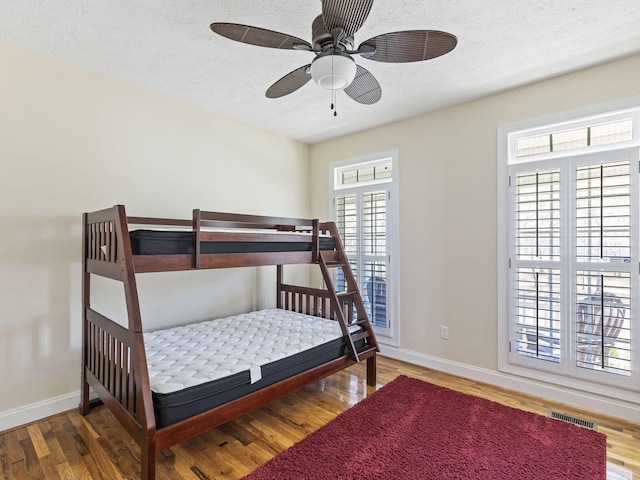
195, 367
165, 242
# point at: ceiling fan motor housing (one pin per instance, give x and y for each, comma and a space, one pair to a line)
323, 39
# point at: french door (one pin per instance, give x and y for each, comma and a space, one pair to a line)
574, 266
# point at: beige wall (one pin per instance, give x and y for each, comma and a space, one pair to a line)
448, 204
73, 141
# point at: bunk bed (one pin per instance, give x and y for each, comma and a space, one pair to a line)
130, 370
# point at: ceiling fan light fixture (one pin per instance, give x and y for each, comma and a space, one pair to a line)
333, 72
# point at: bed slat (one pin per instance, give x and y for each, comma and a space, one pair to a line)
109, 359
311, 301
101, 256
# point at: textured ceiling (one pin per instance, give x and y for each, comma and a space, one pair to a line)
166, 46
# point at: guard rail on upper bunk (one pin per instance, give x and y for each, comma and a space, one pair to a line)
240, 228
108, 242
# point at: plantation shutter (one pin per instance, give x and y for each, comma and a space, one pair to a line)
374, 255
571, 277
603, 288
361, 219
538, 279
347, 223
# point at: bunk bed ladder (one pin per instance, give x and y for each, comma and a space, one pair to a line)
332, 259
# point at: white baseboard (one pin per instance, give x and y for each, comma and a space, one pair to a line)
36, 411
605, 405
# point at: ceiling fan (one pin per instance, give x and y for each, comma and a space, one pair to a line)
333, 67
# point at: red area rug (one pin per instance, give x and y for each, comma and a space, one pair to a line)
410, 429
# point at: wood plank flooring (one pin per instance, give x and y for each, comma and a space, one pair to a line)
70, 447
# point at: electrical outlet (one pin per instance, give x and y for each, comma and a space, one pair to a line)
444, 332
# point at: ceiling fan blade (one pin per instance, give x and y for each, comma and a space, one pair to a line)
410, 45
349, 15
365, 88
318, 28
258, 36
291, 82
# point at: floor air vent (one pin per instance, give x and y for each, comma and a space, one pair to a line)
581, 422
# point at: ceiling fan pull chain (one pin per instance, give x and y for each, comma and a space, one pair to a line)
334, 103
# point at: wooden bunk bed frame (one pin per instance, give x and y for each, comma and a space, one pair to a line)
113, 356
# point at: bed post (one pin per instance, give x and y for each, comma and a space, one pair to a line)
279, 280
316, 240
147, 439
197, 220
148, 461
86, 296
371, 370
113, 355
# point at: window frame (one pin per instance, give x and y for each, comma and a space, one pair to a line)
390, 335
507, 164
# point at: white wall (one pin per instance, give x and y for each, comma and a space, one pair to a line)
448, 209
72, 141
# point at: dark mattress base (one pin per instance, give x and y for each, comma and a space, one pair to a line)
159, 242
173, 407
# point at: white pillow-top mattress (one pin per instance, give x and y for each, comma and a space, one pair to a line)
198, 353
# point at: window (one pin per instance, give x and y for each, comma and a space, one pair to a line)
570, 241
587, 136
363, 210
359, 174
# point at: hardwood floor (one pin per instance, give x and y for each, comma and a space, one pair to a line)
68, 446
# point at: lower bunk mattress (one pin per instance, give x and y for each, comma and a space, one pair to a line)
195, 367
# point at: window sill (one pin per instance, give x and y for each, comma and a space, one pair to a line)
576, 384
